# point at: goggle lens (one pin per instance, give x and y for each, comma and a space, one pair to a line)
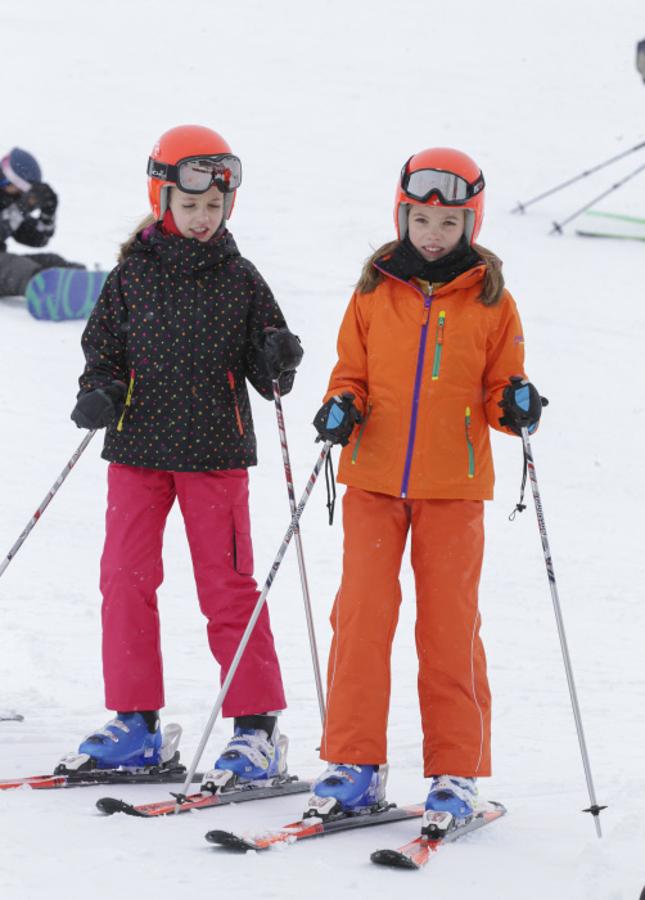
452, 189
196, 174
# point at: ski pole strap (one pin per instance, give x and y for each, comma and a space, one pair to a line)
330, 484
520, 506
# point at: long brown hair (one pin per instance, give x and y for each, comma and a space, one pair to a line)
492, 288
126, 246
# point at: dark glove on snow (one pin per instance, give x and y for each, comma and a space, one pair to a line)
282, 351
336, 418
44, 198
522, 406
100, 407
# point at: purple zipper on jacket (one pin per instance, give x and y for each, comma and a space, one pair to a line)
427, 301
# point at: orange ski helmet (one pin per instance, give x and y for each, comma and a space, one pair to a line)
192, 158
440, 176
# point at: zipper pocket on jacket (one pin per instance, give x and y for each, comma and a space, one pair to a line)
360, 433
238, 417
469, 445
128, 401
438, 345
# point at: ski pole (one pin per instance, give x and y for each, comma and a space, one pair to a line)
521, 207
557, 226
299, 549
594, 809
293, 524
48, 498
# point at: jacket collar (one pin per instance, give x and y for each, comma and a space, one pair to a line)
464, 281
186, 253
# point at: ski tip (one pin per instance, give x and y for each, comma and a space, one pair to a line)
230, 841
495, 806
109, 805
393, 859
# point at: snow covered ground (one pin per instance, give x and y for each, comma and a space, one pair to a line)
324, 102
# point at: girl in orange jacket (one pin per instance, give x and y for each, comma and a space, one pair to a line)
430, 356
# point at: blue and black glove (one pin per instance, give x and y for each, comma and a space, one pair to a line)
100, 407
335, 420
522, 405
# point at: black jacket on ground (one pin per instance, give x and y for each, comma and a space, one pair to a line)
182, 323
31, 231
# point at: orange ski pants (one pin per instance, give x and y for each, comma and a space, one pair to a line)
447, 553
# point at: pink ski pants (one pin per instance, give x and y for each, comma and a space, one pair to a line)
215, 509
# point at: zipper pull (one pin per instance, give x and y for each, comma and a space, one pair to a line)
128, 401
438, 347
440, 326
426, 308
238, 416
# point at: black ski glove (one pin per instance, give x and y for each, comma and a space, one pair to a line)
522, 405
100, 407
44, 198
336, 418
282, 351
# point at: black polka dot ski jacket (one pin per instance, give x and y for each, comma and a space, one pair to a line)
181, 323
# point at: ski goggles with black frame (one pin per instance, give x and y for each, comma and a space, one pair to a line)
452, 190
196, 174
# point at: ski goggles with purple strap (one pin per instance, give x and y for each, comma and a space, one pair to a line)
452, 190
196, 174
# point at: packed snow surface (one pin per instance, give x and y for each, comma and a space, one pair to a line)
324, 102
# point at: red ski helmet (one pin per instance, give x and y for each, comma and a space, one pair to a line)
192, 158
443, 177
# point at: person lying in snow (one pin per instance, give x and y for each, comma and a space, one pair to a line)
28, 215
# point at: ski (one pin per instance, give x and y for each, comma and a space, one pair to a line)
160, 775
619, 216
416, 853
10, 715
619, 237
79, 770
313, 827
204, 800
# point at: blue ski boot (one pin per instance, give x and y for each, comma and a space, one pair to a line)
250, 757
125, 742
451, 801
344, 788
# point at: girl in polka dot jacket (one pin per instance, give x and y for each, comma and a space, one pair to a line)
182, 323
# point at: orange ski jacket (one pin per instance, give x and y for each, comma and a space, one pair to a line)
427, 368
